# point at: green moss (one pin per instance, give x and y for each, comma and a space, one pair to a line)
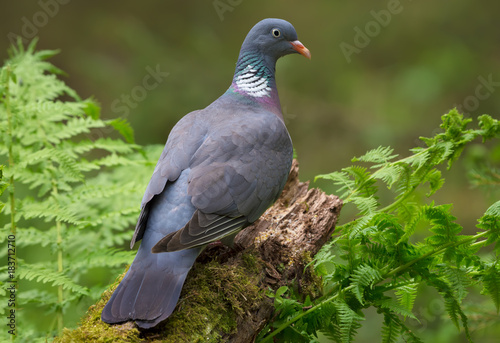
251, 262
311, 283
213, 298
92, 329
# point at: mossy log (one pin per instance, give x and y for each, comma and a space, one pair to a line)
224, 297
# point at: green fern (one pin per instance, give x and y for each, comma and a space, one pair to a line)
58, 204
491, 282
363, 277
378, 260
394, 327
379, 156
391, 329
393, 307
348, 321
40, 273
406, 295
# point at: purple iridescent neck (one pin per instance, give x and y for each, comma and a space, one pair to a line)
254, 79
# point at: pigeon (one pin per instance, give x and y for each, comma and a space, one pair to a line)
221, 168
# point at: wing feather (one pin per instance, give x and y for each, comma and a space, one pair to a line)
237, 168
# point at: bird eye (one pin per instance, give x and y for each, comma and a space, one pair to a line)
276, 33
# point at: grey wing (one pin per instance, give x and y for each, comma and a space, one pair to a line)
184, 139
235, 176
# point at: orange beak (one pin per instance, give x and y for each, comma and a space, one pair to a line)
301, 49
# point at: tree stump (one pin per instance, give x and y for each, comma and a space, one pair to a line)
224, 297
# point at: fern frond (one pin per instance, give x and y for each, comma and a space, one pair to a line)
353, 229
380, 155
419, 159
348, 321
363, 180
435, 181
39, 297
40, 273
72, 127
394, 307
443, 225
490, 223
494, 210
389, 173
406, 295
390, 330
123, 127
123, 212
451, 303
91, 108
113, 160
412, 218
365, 205
110, 257
455, 311
114, 145
363, 277
395, 324
457, 279
92, 191
34, 236
490, 128
332, 332
491, 283
341, 179
49, 210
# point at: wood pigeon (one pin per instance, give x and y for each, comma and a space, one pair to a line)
221, 168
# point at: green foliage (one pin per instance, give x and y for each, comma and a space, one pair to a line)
57, 205
381, 260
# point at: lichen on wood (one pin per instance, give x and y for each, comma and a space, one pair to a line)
224, 297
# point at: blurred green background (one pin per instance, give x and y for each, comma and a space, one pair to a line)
409, 62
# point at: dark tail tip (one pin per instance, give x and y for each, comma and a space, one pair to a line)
146, 296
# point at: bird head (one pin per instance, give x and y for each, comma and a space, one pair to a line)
274, 38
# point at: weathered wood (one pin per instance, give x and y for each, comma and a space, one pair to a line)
300, 222
223, 299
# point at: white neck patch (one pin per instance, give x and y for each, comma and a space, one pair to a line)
252, 84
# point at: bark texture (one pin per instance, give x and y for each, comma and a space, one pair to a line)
296, 226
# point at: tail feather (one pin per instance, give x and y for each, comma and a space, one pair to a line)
149, 293
151, 288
